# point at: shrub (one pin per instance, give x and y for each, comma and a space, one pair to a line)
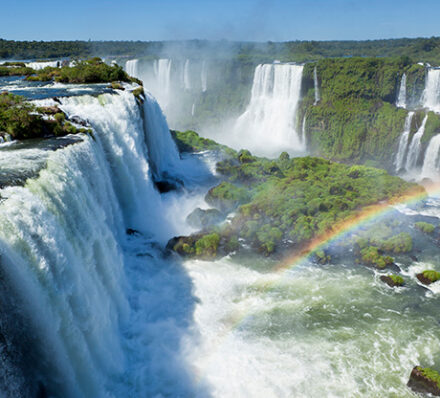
425, 227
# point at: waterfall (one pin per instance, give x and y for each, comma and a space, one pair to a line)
431, 94
403, 143
62, 260
163, 152
204, 76
119, 128
303, 131
268, 126
42, 65
186, 76
316, 85
193, 109
162, 71
131, 67
401, 97
93, 307
431, 163
414, 148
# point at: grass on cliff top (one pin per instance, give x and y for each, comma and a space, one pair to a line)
22, 120
90, 71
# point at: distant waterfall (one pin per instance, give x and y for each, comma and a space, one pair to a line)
42, 65
131, 67
193, 109
186, 76
316, 85
204, 76
162, 71
403, 143
431, 94
303, 131
268, 126
401, 97
431, 163
414, 148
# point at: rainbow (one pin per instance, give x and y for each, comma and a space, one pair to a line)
342, 229
339, 231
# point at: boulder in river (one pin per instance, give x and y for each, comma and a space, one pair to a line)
425, 380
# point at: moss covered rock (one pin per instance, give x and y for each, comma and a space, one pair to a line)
429, 276
425, 227
425, 380
392, 280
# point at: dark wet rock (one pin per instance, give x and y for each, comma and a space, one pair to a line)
165, 186
413, 257
42, 392
131, 231
49, 110
200, 218
56, 99
424, 380
392, 280
76, 119
116, 86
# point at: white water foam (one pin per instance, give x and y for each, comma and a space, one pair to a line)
268, 126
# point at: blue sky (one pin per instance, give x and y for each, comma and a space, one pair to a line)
258, 20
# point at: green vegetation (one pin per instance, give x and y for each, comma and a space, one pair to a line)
430, 374
392, 280
16, 71
371, 255
425, 227
431, 275
138, 93
397, 279
419, 49
283, 203
356, 120
90, 71
22, 120
190, 141
206, 246
373, 243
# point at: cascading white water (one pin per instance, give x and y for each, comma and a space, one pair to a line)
105, 312
42, 65
431, 94
268, 126
316, 85
415, 147
119, 124
59, 239
204, 76
401, 96
186, 75
163, 152
431, 163
403, 143
131, 67
303, 131
162, 71
193, 109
